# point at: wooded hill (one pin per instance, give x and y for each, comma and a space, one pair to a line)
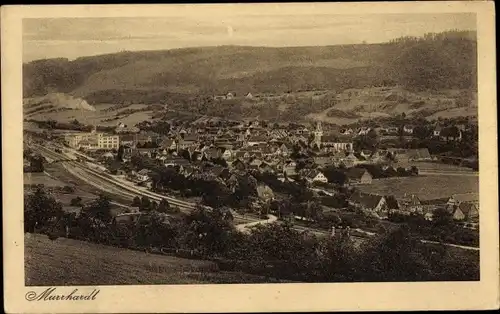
435, 61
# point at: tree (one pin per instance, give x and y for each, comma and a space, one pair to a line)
68, 189
163, 206
77, 201
100, 209
442, 218
208, 230
119, 155
40, 209
136, 202
145, 204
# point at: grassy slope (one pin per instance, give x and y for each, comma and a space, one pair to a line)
71, 262
425, 187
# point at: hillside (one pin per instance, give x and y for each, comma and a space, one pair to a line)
436, 62
69, 262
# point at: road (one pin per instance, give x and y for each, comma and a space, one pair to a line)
246, 226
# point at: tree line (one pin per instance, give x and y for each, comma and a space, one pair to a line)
275, 250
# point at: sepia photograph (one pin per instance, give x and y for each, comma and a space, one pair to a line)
250, 146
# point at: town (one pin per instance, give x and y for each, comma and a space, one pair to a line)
288, 174
332, 174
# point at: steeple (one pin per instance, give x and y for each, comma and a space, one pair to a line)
318, 133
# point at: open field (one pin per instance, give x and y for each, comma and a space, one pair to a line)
434, 166
101, 116
425, 187
65, 262
30, 178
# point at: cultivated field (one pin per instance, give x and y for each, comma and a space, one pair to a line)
101, 116
425, 187
32, 178
65, 262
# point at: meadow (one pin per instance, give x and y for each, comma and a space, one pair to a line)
424, 187
64, 262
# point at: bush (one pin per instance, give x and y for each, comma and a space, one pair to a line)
77, 201
68, 189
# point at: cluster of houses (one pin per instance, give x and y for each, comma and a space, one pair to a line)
279, 150
462, 207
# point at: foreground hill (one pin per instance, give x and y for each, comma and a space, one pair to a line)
69, 262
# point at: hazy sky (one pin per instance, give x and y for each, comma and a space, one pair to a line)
75, 37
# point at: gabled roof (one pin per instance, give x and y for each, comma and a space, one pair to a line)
356, 173
311, 174
258, 138
421, 153
366, 200
143, 172
466, 208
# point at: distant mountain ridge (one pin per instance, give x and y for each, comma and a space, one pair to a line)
435, 61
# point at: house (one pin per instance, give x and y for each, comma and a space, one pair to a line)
420, 154
315, 175
249, 96
429, 206
171, 162
358, 176
466, 211
227, 154
189, 140
289, 168
437, 131
143, 175
336, 143
411, 204
350, 160
230, 95
212, 153
266, 168
364, 130
322, 161
238, 164
366, 153
408, 129
256, 140
168, 144
255, 162
347, 131
371, 202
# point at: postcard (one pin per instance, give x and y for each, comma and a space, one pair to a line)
249, 157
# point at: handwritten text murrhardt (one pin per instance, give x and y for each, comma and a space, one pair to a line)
50, 295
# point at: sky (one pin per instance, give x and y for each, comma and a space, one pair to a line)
75, 37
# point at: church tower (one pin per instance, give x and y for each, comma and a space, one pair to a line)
318, 133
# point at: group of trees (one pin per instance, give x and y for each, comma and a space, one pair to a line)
145, 204
442, 228
275, 250
36, 163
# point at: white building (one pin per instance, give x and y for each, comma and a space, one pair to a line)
92, 140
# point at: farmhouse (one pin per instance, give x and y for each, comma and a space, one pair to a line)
358, 176
371, 202
420, 154
466, 211
315, 176
143, 175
